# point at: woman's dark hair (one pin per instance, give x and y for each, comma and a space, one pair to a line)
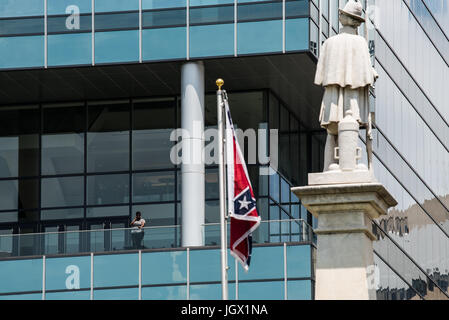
138, 213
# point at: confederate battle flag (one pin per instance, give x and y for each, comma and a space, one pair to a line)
241, 202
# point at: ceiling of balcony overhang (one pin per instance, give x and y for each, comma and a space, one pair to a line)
290, 76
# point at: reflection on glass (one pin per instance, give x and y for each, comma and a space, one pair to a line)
107, 267
270, 290
164, 267
62, 192
117, 46
22, 52
165, 293
108, 137
8, 195
60, 214
153, 187
21, 275
70, 49
108, 189
153, 123
19, 128
258, 37
164, 43
212, 40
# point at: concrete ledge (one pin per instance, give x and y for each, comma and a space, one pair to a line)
340, 177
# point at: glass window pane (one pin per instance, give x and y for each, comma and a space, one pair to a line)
67, 273
116, 5
212, 40
60, 6
59, 214
107, 211
32, 296
164, 267
108, 137
299, 290
153, 123
63, 139
164, 18
154, 186
116, 46
272, 290
117, 294
157, 215
21, 26
22, 52
19, 8
259, 11
205, 266
19, 134
161, 4
273, 268
274, 186
164, 43
298, 262
68, 295
165, 293
8, 195
206, 292
210, 15
70, 23
211, 179
258, 37
21, 275
107, 267
285, 191
296, 34
62, 192
128, 20
8, 217
70, 49
108, 189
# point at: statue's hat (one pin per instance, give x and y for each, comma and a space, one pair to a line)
353, 9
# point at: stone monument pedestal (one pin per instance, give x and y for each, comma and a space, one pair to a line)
344, 262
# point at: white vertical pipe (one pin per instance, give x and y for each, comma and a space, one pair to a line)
285, 272
188, 274
91, 276
192, 168
235, 28
320, 20
188, 30
283, 26
45, 35
43, 277
222, 186
236, 279
140, 274
93, 32
140, 31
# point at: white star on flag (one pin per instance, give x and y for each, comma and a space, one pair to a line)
244, 203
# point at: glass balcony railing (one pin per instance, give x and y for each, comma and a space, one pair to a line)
157, 237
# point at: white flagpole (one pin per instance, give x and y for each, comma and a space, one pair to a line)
222, 186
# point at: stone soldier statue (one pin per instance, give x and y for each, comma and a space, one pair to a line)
344, 69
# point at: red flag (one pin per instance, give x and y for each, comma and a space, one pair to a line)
241, 201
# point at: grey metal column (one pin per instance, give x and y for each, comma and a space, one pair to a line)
192, 168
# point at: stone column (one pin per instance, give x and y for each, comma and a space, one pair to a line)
344, 261
192, 168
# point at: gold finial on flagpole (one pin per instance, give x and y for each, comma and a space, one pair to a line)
219, 83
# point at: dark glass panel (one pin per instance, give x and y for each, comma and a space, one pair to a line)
62, 192
154, 186
108, 189
215, 14
63, 139
21, 26
19, 128
129, 20
153, 123
108, 137
296, 8
58, 24
152, 19
259, 11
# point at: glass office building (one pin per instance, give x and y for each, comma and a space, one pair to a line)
92, 90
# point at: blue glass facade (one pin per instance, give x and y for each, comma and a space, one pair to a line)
50, 33
164, 275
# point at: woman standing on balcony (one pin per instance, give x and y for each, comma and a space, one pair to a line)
137, 232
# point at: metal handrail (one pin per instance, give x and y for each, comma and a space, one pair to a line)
131, 228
